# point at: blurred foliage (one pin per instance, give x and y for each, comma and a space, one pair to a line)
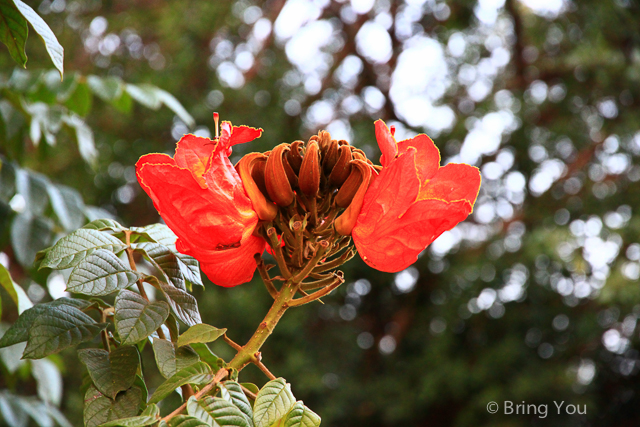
534, 298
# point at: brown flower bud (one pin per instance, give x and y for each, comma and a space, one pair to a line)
350, 187
294, 155
342, 168
324, 140
251, 171
330, 158
276, 180
347, 220
309, 176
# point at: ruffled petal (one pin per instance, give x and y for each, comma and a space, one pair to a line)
193, 152
427, 155
156, 158
228, 267
204, 217
400, 244
453, 182
386, 142
242, 134
388, 197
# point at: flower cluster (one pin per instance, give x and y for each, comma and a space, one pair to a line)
304, 202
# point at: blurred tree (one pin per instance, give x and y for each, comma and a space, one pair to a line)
535, 298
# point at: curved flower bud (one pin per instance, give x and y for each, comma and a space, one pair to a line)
265, 209
342, 168
350, 187
330, 158
202, 199
276, 179
309, 176
294, 155
347, 220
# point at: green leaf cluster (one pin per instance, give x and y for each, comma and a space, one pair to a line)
14, 17
274, 406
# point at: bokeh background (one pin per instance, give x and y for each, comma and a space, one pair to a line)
534, 298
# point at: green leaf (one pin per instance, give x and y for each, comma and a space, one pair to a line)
107, 88
67, 205
174, 105
33, 187
72, 249
123, 103
216, 412
198, 373
183, 305
104, 224
301, 416
158, 233
59, 328
111, 372
36, 409
84, 136
145, 95
200, 333
19, 331
187, 421
151, 411
11, 411
13, 31
55, 50
29, 235
164, 260
17, 294
49, 380
80, 100
205, 354
232, 392
101, 273
99, 409
190, 268
139, 421
10, 356
136, 318
273, 402
170, 360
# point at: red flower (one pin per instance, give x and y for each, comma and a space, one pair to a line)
411, 202
200, 196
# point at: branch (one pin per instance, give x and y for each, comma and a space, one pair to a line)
316, 295
220, 375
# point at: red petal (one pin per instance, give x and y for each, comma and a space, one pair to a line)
229, 267
386, 142
193, 152
204, 217
402, 241
388, 197
427, 156
156, 158
453, 182
242, 134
